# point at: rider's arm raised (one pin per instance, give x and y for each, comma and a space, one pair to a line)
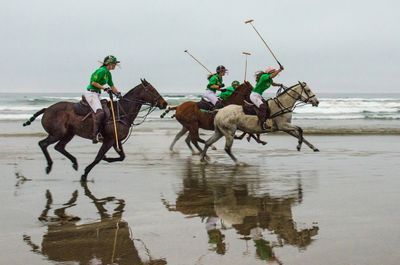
275, 73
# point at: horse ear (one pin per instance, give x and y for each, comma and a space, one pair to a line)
141, 80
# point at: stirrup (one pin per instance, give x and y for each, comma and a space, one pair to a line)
264, 126
97, 138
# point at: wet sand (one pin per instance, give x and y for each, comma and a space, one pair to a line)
338, 206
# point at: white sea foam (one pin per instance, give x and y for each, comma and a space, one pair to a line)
17, 107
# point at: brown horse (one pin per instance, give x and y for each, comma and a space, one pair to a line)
62, 123
192, 118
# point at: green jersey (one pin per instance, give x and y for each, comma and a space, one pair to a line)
227, 93
214, 80
263, 84
101, 76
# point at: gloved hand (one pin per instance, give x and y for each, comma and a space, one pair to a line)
118, 95
223, 90
222, 85
107, 89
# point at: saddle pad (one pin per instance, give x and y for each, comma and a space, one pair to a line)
205, 105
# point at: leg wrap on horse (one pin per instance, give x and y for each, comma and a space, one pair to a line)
97, 122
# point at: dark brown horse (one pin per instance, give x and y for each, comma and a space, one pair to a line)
192, 118
62, 123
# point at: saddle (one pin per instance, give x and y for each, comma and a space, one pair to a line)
82, 108
205, 105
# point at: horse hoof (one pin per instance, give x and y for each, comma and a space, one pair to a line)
75, 166
240, 164
48, 169
298, 148
316, 150
213, 148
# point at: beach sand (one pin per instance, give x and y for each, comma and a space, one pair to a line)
337, 206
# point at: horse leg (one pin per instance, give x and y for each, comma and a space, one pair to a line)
215, 137
195, 138
258, 139
103, 150
287, 127
203, 142
294, 134
240, 137
177, 137
60, 147
228, 145
187, 141
51, 139
120, 152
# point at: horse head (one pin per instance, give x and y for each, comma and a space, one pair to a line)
242, 92
148, 94
306, 95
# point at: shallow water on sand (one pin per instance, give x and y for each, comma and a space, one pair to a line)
338, 206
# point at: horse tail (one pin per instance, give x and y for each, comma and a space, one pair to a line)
28, 122
167, 110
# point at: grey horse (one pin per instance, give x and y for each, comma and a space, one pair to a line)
232, 118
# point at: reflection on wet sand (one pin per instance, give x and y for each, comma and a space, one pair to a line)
106, 241
233, 199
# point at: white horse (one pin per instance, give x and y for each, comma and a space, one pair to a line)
232, 118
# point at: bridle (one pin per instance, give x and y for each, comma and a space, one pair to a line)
143, 102
299, 96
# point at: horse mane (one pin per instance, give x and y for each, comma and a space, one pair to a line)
133, 90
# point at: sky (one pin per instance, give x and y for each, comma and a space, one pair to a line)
335, 46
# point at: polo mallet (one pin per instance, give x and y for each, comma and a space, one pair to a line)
114, 122
198, 61
245, 67
250, 22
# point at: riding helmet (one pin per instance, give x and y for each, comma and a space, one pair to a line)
110, 59
221, 68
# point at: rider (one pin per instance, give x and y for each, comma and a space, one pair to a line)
227, 92
99, 78
264, 81
215, 83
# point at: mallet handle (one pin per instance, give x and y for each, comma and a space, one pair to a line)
198, 61
250, 21
115, 124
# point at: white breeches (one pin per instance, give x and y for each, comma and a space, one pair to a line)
256, 98
211, 96
93, 99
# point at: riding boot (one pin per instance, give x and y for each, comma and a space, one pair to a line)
97, 121
219, 104
262, 116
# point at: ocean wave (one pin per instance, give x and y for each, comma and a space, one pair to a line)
17, 107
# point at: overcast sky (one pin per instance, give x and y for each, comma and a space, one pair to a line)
335, 46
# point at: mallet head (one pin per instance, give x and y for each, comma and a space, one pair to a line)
249, 21
185, 50
246, 53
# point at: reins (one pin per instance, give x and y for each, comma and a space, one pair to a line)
150, 108
285, 90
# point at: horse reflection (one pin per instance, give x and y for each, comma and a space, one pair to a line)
232, 199
105, 241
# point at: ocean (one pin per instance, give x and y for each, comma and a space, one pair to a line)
336, 112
